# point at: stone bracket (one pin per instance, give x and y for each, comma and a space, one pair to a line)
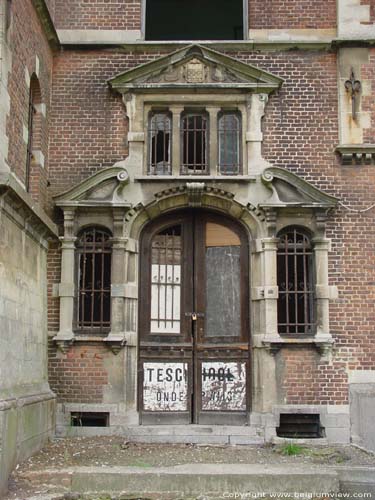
63, 343
115, 343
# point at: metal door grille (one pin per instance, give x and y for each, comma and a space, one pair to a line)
295, 281
160, 144
229, 143
166, 281
194, 144
94, 291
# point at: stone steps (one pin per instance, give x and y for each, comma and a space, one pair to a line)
191, 480
179, 434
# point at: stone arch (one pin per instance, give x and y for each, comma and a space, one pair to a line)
196, 195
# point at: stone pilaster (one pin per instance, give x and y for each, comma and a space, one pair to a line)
323, 291
65, 335
116, 337
254, 136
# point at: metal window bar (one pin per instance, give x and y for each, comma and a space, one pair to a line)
296, 291
229, 129
194, 132
94, 290
29, 147
166, 281
160, 134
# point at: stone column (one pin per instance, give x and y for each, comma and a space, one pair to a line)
116, 337
213, 143
65, 335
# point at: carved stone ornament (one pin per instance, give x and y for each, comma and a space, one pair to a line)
195, 192
195, 71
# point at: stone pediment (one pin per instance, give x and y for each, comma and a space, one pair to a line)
290, 190
195, 66
101, 189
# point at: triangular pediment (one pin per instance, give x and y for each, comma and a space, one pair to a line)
195, 66
101, 189
290, 190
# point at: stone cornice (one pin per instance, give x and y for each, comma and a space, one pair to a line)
47, 23
34, 216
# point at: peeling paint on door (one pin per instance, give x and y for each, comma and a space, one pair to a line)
165, 386
224, 386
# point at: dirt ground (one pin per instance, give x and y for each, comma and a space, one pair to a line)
115, 451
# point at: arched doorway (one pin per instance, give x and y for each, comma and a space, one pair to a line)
194, 356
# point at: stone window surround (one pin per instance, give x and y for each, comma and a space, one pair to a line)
250, 105
176, 112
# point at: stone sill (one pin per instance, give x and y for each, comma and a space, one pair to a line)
196, 178
323, 343
356, 154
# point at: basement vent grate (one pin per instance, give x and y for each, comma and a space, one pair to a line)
89, 419
300, 426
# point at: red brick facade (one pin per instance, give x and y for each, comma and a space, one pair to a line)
114, 15
26, 25
292, 14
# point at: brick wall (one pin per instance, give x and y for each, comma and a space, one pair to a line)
368, 101
292, 14
88, 121
80, 375
100, 14
26, 26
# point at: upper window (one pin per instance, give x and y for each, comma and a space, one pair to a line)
195, 20
295, 279
160, 144
93, 307
194, 132
229, 129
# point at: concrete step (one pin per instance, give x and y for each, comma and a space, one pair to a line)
185, 481
177, 434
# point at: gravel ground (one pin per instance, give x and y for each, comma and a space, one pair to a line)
107, 451
115, 451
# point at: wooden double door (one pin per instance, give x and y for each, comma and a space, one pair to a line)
194, 356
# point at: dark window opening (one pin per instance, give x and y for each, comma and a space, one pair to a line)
300, 425
194, 20
89, 419
194, 144
296, 283
229, 129
94, 280
160, 144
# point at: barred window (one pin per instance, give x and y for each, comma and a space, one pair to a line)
194, 143
295, 279
229, 129
93, 308
160, 144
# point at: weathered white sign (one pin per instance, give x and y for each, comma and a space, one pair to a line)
224, 386
165, 386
